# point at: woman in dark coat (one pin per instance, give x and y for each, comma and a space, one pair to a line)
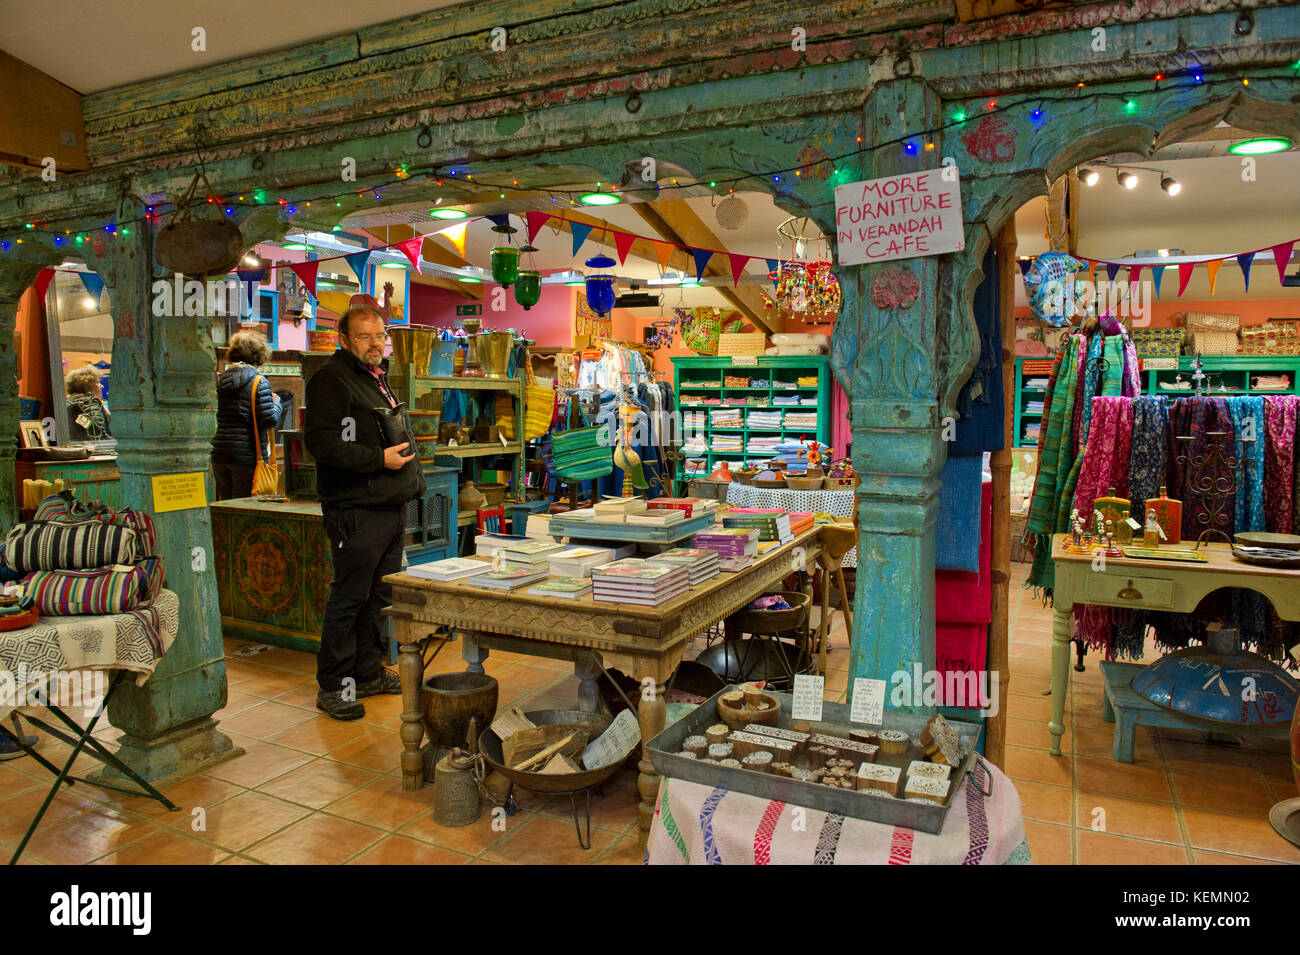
233, 454
87, 414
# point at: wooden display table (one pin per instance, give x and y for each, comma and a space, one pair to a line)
645, 642
1174, 586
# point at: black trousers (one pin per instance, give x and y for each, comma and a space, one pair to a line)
232, 480
365, 544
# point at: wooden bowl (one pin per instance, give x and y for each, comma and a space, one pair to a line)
770, 484
803, 483
738, 717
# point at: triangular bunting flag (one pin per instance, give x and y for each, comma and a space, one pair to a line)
663, 252
771, 267
43, 279
306, 272
702, 257
1112, 270
1244, 261
1157, 272
411, 249
1025, 265
1212, 270
738, 263
1282, 258
250, 293
623, 243
580, 233
357, 262
93, 283
500, 218
1092, 272
535, 222
1185, 270
455, 234
1134, 276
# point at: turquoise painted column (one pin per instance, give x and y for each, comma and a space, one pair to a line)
885, 353
163, 418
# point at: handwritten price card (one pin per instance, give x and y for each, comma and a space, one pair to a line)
808, 697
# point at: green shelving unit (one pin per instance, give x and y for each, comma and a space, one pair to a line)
698, 378
1038, 368
1227, 374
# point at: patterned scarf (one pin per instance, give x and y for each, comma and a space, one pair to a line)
1105, 465
1250, 609
1055, 458
1132, 377
1091, 375
1148, 465
1280, 412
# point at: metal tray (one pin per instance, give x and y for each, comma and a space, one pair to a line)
899, 812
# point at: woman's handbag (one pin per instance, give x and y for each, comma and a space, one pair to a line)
266, 475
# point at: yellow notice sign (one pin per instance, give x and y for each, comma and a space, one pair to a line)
179, 492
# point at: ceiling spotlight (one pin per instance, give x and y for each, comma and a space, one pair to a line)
599, 199
1126, 179
1171, 186
448, 213
1089, 177
252, 260
90, 302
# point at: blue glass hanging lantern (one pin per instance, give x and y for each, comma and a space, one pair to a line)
600, 288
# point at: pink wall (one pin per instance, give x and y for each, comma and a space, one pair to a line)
549, 322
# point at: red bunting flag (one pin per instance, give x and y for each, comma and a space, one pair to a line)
306, 272
43, 279
1185, 270
1282, 257
623, 243
738, 263
535, 222
411, 249
1134, 276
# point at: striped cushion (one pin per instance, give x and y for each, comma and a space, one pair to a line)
114, 589
56, 545
65, 508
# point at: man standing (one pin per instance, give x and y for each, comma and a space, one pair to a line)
363, 480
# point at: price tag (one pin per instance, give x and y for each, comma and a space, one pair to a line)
750, 361
868, 701
1164, 363
504, 442
808, 697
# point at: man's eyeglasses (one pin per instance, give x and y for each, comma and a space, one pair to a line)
367, 339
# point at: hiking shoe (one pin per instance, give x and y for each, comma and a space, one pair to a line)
387, 682
11, 750
332, 702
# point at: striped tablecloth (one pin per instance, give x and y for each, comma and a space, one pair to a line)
701, 825
837, 503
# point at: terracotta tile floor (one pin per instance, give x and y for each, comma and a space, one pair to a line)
310, 790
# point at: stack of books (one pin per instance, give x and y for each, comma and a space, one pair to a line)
530, 554
661, 517
511, 579
637, 581
578, 561
539, 526
489, 545
453, 568
692, 506
565, 588
701, 563
800, 521
615, 510
771, 524
736, 546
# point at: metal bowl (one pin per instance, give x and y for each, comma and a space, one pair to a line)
1271, 541
744, 661
489, 745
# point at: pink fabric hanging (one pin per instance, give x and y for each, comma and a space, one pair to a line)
840, 433
1279, 460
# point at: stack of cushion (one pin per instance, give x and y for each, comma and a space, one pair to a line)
74, 558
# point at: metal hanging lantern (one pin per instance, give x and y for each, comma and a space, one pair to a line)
1205, 683
600, 288
806, 288
528, 284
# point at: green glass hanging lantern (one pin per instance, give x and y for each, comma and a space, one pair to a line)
528, 288
505, 265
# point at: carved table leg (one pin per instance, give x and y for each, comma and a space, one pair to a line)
1060, 673
652, 714
472, 653
410, 667
823, 625
586, 667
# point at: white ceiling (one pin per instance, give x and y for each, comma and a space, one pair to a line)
92, 45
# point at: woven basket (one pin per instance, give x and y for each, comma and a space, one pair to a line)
804, 483
741, 343
1215, 343
1210, 322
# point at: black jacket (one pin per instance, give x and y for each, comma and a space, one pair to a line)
343, 433
233, 442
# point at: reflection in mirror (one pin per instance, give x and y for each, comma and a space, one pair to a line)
80, 329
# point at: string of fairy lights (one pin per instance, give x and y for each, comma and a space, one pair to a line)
458, 176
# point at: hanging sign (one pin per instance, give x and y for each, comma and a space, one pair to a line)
899, 217
475, 309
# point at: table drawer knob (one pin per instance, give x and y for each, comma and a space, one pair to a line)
1130, 593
